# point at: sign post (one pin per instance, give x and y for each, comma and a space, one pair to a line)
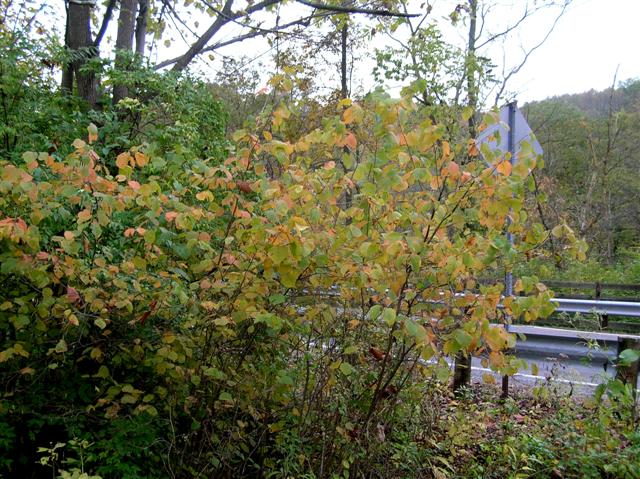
507, 136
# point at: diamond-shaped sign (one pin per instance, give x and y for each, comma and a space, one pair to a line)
496, 136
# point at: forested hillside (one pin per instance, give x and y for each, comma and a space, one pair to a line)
239, 270
590, 179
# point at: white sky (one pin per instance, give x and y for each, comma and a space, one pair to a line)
594, 38
591, 41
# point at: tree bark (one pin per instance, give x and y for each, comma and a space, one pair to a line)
201, 42
224, 17
461, 372
344, 32
472, 87
141, 27
124, 44
79, 38
66, 84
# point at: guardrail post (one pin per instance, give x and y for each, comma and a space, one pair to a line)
628, 374
461, 371
604, 318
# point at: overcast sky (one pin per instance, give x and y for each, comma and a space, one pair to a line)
593, 39
590, 41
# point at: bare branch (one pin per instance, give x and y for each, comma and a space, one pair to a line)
256, 32
530, 52
221, 20
508, 30
105, 23
366, 11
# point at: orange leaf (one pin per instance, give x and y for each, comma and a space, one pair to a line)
348, 115
472, 148
244, 186
504, 167
350, 141
122, 160
453, 169
329, 165
134, 185
376, 353
141, 159
171, 215
129, 232
84, 215
73, 295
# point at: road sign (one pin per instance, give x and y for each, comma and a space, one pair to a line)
512, 122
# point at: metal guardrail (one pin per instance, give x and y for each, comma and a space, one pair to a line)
603, 307
596, 286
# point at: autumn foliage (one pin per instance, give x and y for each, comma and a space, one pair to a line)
274, 310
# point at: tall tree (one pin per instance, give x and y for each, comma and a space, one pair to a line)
81, 49
124, 44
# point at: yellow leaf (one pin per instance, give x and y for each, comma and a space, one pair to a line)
534, 369
267, 135
446, 149
204, 196
488, 378
347, 116
93, 132
496, 338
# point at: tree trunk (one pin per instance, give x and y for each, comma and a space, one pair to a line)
66, 84
461, 372
472, 87
344, 32
201, 42
124, 44
141, 27
78, 37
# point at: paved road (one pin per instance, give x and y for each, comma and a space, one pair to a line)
563, 363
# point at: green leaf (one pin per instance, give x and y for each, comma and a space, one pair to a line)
415, 330
288, 276
389, 316
279, 253
286, 380
628, 357
276, 299
374, 312
346, 369
61, 347
215, 373
103, 372
225, 396
462, 338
